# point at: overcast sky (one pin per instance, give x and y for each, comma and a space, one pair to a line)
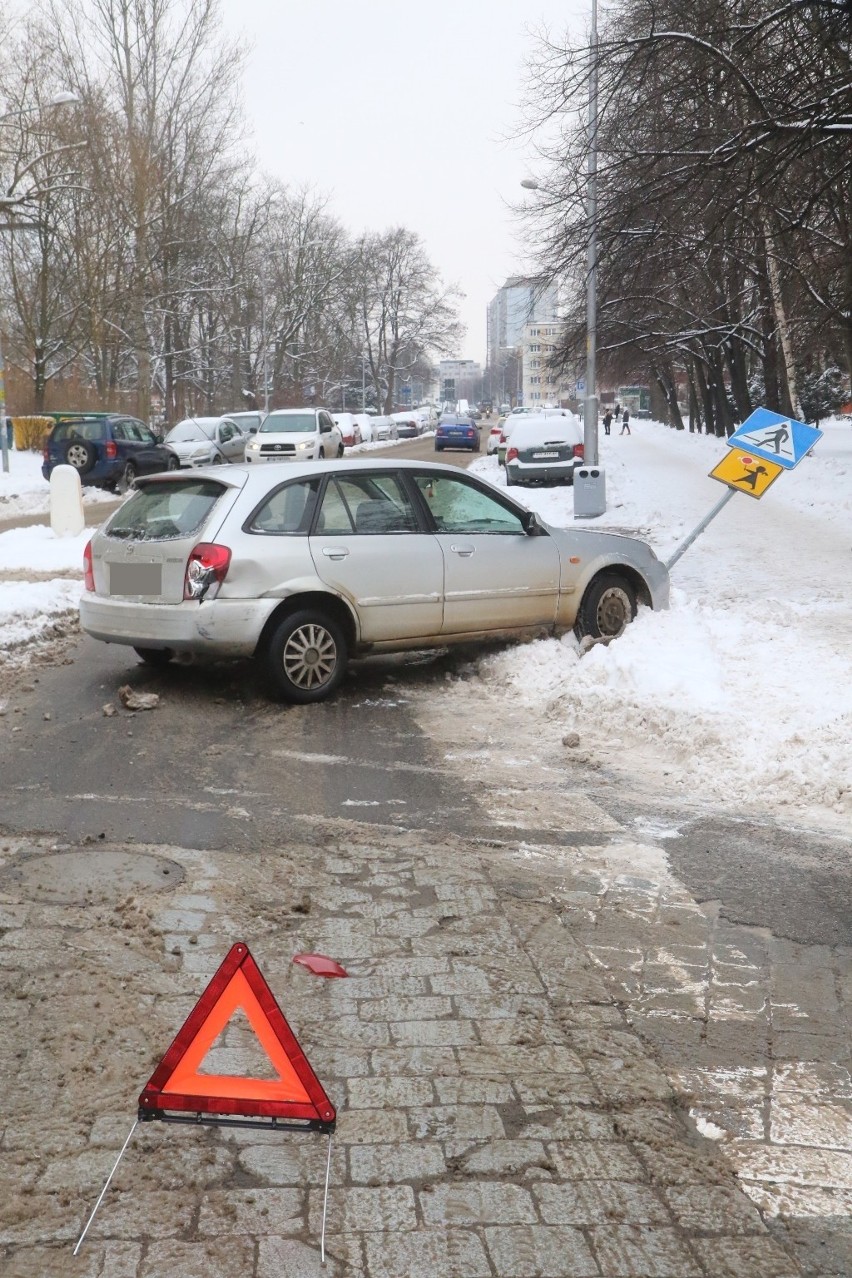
400, 114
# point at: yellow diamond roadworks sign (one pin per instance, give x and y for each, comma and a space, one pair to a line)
746, 473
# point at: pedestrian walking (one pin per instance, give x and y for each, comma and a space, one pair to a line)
625, 422
607, 421
616, 411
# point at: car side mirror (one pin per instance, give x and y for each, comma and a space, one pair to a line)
531, 524
324, 430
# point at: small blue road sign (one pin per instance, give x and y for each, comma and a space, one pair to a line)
778, 439
580, 385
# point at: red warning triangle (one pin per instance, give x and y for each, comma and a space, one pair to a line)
176, 1083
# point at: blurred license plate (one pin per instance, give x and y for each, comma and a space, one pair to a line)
543, 456
135, 579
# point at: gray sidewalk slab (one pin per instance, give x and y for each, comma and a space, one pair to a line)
525, 1129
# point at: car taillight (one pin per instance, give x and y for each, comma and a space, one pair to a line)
579, 451
502, 437
88, 569
206, 569
495, 430
512, 454
111, 450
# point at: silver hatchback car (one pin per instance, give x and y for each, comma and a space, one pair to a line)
304, 565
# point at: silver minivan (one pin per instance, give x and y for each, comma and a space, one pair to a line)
295, 434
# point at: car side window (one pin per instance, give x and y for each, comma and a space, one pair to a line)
227, 431
379, 504
459, 507
288, 511
334, 517
119, 431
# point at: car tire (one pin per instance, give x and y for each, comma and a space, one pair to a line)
217, 460
608, 607
173, 463
321, 455
157, 657
305, 657
81, 454
340, 451
126, 478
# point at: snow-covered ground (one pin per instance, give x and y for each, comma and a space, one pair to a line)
25, 491
740, 694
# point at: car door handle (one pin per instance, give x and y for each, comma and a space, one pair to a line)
464, 551
335, 552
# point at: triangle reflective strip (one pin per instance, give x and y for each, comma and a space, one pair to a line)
177, 1085
186, 1080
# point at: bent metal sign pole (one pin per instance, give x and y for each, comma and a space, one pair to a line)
759, 451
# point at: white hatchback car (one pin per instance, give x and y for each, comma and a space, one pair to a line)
295, 434
303, 566
544, 450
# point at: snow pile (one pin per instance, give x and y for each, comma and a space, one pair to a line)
25, 491
28, 609
742, 692
38, 549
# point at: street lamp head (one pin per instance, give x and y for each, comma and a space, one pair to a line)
65, 97
530, 184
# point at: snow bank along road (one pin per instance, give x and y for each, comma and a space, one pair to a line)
741, 694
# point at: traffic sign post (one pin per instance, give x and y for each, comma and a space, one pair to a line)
179, 1092
759, 451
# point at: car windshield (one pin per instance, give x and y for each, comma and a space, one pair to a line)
186, 431
164, 511
289, 424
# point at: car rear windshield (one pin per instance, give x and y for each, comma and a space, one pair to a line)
291, 424
165, 511
86, 429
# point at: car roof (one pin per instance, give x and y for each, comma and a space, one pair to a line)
262, 478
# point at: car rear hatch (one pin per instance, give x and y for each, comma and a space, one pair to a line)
550, 451
143, 550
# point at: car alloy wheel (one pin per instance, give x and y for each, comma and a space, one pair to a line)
81, 455
126, 478
306, 656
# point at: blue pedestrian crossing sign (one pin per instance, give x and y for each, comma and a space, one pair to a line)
779, 439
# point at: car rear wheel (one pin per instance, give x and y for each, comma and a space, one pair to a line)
81, 454
306, 656
608, 607
154, 656
340, 451
126, 478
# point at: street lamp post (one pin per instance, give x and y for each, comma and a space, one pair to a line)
594, 500
63, 98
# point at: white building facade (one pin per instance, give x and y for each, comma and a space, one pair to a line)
541, 386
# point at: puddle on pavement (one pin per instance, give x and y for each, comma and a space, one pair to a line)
80, 875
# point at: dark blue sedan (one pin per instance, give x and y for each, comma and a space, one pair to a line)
455, 431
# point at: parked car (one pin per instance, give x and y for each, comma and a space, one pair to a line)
384, 427
407, 425
493, 441
364, 422
108, 450
295, 434
349, 428
207, 441
544, 450
247, 421
457, 432
301, 567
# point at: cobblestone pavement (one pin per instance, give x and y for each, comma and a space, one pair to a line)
498, 1113
751, 1030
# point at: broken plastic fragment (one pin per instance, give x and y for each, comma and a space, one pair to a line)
320, 965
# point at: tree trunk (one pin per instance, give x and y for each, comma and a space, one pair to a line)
782, 326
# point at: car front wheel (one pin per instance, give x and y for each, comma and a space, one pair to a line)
608, 607
306, 656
